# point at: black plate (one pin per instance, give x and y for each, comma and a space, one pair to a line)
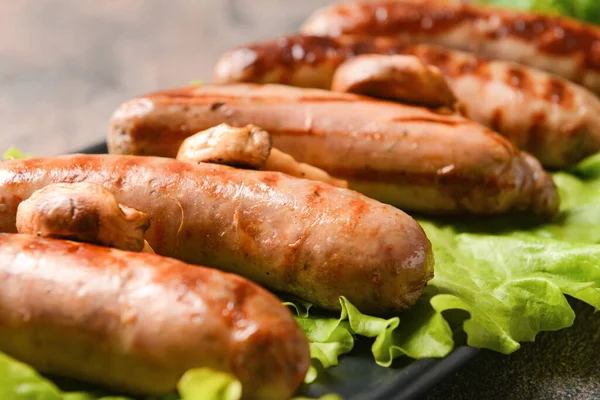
357, 377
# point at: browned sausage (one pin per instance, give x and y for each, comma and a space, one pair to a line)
555, 120
411, 157
303, 237
136, 322
560, 45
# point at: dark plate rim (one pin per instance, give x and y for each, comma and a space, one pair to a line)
418, 378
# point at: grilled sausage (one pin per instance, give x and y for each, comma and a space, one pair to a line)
136, 322
302, 237
411, 157
556, 44
557, 121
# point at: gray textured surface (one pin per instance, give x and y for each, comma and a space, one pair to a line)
558, 365
66, 65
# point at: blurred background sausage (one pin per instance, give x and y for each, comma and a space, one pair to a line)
565, 47
555, 120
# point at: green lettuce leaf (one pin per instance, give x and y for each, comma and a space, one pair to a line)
512, 285
508, 275
18, 381
196, 82
586, 10
13, 154
207, 384
331, 337
204, 383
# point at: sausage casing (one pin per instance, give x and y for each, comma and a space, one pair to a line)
560, 45
302, 237
555, 120
136, 322
411, 157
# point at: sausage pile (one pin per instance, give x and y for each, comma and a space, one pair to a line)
161, 317
509, 69
259, 175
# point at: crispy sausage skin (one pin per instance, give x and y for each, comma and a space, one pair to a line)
556, 120
411, 157
302, 237
560, 45
136, 322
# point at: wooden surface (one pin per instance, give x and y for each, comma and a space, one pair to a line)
66, 65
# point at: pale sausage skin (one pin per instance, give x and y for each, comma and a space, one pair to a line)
556, 120
136, 322
563, 46
410, 157
306, 238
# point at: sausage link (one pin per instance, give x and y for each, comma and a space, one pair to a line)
410, 157
556, 120
563, 46
136, 322
302, 237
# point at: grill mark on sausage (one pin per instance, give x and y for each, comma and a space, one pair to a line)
473, 66
270, 179
356, 45
439, 57
558, 93
287, 51
428, 120
218, 101
412, 17
191, 97
451, 180
334, 51
236, 310
332, 99
359, 209
537, 131
216, 106
315, 197
552, 35
517, 78
497, 119
442, 58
